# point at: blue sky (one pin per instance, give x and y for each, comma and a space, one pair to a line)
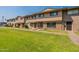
13, 11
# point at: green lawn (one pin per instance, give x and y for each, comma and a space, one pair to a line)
77, 33
18, 40
57, 31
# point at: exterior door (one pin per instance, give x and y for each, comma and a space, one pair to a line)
69, 26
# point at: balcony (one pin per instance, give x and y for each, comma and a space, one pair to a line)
19, 21
45, 19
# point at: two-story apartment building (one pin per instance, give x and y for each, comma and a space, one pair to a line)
55, 19
17, 22
47, 19
10, 22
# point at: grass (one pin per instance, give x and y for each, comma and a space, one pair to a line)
57, 31
12, 40
77, 33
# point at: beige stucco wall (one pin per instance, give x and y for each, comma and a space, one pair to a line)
75, 24
59, 26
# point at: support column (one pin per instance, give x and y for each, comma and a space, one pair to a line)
16, 25
13, 25
65, 26
33, 26
37, 24
29, 26
21, 25
44, 25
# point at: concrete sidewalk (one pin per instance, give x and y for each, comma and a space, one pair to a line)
74, 37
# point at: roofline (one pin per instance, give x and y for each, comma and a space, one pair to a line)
48, 11
52, 10
11, 19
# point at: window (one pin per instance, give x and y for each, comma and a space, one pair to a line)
41, 15
37, 16
51, 24
70, 12
27, 17
53, 13
34, 17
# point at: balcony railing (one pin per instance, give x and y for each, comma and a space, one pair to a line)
45, 19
